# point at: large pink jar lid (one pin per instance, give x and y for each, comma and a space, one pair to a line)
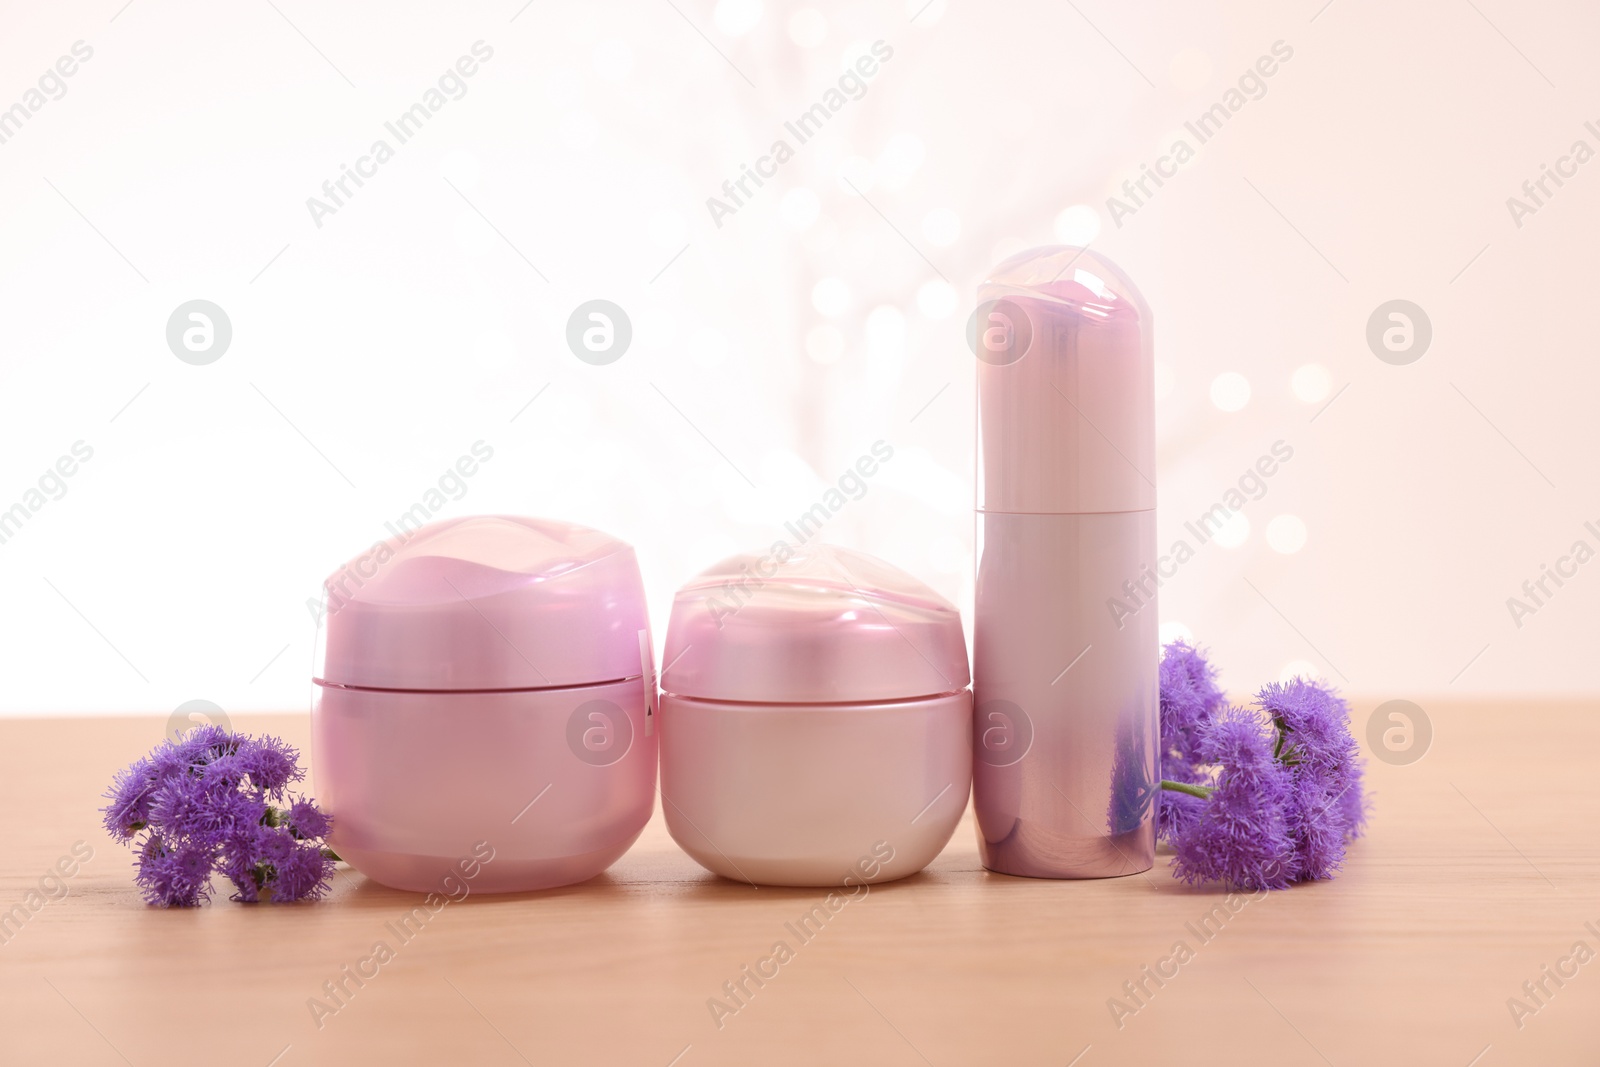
822, 625
485, 602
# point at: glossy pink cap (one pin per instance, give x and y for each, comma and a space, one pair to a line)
485, 602
1066, 411
826, 625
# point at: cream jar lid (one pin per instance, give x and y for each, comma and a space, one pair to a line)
487, 602
819, 624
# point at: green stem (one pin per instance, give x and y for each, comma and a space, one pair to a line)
1201, 791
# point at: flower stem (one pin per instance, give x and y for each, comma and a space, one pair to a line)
1201, 791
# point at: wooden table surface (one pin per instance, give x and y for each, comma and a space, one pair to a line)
1481, 870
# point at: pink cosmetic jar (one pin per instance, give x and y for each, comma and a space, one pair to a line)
816, 725
484, 686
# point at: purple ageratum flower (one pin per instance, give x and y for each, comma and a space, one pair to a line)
174, 877
265, 859
305, 874
129, 794
201, 745
217, 802
238, 861
272, 764
1314, 720
1190, 700
1240, 836
307, 820
1328, 808
191, 807
251, 860
1316, 825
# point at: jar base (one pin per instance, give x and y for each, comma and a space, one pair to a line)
834, 872
503, 874
815, 795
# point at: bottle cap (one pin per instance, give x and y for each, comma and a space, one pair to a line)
1066, 387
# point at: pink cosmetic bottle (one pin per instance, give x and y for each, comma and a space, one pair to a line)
482, 706
1065, 649
815, 719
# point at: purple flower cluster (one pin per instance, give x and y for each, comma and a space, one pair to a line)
218, 802
1266, 797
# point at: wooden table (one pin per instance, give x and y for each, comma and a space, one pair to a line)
1481, 868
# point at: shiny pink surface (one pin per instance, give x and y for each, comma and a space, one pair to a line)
1070, 426
485, 602
1076, 800
1064, 687
815, 795
414, 780
826, 624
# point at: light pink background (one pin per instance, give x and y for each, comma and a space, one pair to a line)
772, 352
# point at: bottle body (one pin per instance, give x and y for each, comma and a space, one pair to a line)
1066, 720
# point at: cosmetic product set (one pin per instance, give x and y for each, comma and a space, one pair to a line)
492, 679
